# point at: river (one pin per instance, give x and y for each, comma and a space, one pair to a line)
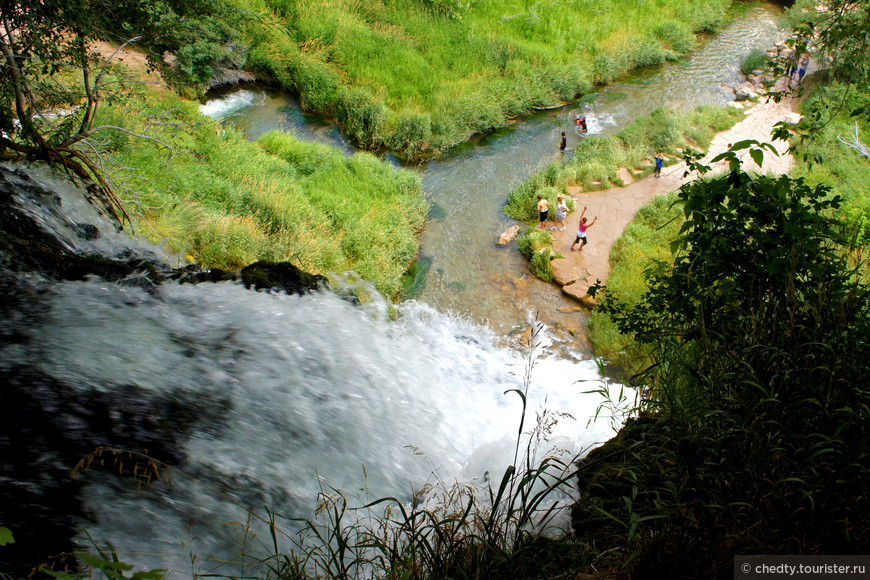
468, 273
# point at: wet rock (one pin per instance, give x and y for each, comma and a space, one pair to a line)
579, 291
88, 232
195, 274
564, 272
47, 426
508, 235
280, 275
746, 92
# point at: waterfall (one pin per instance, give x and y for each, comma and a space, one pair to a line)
264, 396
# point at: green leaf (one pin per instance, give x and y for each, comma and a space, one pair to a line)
757, 156
6, 536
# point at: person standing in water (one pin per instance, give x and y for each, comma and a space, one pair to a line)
563, 143
581, 230
543, 211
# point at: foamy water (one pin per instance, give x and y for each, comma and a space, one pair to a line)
234, 102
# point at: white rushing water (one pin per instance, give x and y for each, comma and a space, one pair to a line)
219, 108
288, 395
316, 391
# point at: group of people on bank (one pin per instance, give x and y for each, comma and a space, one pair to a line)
543, 207
561, 214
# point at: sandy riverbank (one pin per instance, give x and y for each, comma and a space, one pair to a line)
616, 207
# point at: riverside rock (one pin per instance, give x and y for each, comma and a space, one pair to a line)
508, 235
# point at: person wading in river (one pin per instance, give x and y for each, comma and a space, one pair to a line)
581, 230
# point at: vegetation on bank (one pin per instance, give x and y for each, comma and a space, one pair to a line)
750, 342
752, 434
224, 202
461, 67
827, 157
643, 246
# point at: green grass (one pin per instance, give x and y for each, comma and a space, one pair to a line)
537, 245
597, 159
224, 202
644, 242
756, 59
419, 76
826, 159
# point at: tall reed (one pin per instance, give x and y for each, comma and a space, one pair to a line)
223, 202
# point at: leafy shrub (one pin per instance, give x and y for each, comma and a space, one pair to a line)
540, 265
675, 35
647, 52
537, 245
756, 392
412, 132
361, 115
756, 59
608, 67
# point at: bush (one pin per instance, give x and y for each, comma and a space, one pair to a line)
756, 393
537, 245
412, 133
675, 35
361, 115
757, 59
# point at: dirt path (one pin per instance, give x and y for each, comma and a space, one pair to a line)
616, 207
134, 61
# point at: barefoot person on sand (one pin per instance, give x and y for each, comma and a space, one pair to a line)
581, 230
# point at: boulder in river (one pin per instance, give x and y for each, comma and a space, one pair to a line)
508, 235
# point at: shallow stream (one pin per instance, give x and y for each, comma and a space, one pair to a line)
468, 273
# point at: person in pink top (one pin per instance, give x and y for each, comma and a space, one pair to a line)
581, 230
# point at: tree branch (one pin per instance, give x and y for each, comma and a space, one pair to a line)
856, 143
80, 136
22, 90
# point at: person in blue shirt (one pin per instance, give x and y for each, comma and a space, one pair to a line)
659, 162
